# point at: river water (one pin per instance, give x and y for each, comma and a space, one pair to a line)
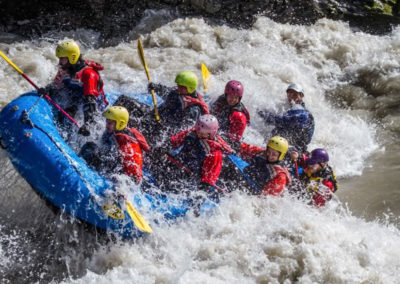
352, 87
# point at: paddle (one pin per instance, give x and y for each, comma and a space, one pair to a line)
37, 88
297, 169
137, 218
294, 155
141, 55
189, 171
205, 75
115, 212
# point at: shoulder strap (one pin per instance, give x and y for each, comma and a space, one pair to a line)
188, 101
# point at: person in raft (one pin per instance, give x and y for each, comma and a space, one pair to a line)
78, 82
183, 105
319, 179
232, 115
265, 173
122, 147
201, 153
296, 124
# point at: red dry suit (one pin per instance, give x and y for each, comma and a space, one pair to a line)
202, 156
232, 119
86, 75
131, 146
269, 178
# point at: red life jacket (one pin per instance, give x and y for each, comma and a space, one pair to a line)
232, 119
91, 80
280, 178
212, 163
131, 143
271, 178
188, 101
210, 166
221, 107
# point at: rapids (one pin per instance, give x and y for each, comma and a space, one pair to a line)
352, 85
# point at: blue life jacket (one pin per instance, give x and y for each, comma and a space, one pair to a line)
296, 125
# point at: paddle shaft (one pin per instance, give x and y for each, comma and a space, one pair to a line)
153, 95
297, 169
37, 88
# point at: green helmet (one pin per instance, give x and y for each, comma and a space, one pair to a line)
187, 79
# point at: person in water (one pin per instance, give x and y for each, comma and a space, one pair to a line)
183, 105
265, 173
201, 152
296, 124
122, 147
80, 80
232, 115
319, 179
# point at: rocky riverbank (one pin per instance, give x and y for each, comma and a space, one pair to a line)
114, 19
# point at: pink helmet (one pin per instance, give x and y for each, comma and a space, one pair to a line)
207, 124
234, 88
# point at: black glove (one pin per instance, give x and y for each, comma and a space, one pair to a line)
266, 115
41, 91
46, 91
84, 130
151, 86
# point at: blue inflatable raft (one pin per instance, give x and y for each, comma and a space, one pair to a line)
59, 175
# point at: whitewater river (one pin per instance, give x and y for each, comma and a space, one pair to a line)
352, 87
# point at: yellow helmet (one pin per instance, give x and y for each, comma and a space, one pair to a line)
279, 144
70, 49
119, 114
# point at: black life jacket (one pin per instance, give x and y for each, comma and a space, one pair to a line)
223, 110
259, 172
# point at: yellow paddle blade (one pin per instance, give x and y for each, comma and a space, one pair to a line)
11, 63
137, 218
205, 75
141, 55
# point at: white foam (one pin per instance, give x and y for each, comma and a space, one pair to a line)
249, 239
256, 240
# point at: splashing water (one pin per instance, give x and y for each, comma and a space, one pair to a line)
350, 81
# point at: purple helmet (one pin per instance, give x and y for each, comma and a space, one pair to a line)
207, 124
318, 155
234, 88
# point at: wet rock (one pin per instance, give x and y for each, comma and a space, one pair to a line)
115, 19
